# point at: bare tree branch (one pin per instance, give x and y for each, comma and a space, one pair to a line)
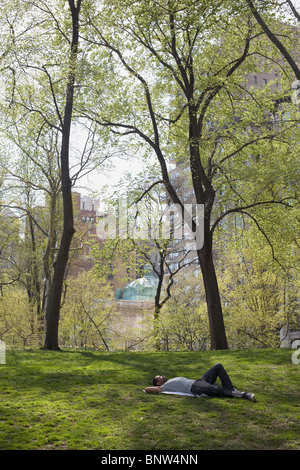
274, 39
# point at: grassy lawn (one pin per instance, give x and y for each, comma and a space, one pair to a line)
92, 400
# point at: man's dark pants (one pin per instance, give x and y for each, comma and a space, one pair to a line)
206, 384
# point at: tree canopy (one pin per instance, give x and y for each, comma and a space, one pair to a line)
169, 81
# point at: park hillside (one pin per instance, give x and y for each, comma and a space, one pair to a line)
90, 400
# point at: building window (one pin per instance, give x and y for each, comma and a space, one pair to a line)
255, 79
265, 81
174, 267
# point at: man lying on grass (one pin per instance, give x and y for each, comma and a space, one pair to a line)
204, 386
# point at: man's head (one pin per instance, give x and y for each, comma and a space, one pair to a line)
159, 380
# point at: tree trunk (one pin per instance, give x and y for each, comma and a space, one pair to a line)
157, 308
205, 194
34, 287
214, 308
52, 311
212, 294
53, 305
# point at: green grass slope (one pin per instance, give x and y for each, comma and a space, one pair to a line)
79, 400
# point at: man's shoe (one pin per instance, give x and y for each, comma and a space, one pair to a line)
249, 396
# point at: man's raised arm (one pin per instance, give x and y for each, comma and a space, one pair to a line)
155, 389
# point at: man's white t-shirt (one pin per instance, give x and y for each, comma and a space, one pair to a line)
178, 384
